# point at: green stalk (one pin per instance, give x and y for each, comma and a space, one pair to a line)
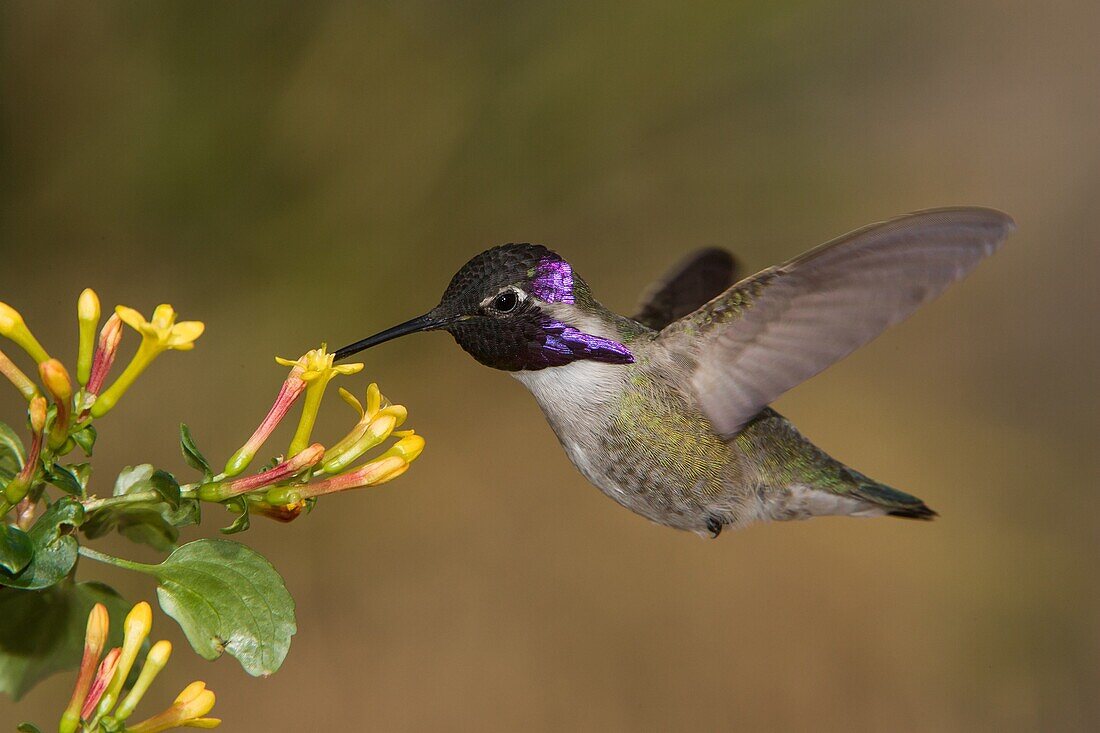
118, 562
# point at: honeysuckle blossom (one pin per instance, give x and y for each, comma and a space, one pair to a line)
95, 637
376, 422
16, 376
87, 318
17, 488
287, 469
103, 359
155, 661
318, 371
99, 684
386, 467
189, 709
158, 335
135, 631
292, 389
13, 327
57, 382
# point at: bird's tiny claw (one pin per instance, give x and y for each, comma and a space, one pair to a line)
714, 526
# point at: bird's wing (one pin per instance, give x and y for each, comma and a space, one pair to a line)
782, 326
690, 283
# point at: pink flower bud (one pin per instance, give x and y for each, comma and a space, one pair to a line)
109, 338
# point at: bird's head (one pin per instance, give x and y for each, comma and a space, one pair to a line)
514, 307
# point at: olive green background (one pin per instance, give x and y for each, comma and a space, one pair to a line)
291, 172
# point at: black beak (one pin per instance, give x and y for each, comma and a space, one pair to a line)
426, 322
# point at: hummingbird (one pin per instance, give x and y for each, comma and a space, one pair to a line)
667, 412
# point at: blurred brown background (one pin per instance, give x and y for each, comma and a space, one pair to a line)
292, 172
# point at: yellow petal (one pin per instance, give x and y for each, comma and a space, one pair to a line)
399, 412
350, 399
409, 448
56, 378
87, 306
348, 368
391, 475
185, 333
191, 691
374, 399
164, 316
131, 317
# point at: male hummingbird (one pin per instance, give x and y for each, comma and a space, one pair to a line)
667, 412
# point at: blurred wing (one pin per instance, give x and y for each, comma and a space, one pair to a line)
690, 283
782, 326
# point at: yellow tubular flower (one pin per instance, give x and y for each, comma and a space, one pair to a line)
374, 432
136, 628
99, 685
386, 467
60, 386
17, 488
409, 448
94, 639
87, 316
304, 459
190, 707
16, 376
154, 662
160, 334
13, 327
288, 394
106, 350
319, 371
375, 425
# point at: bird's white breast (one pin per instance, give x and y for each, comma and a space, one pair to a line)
579, 401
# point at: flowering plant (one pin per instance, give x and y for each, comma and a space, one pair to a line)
225, 596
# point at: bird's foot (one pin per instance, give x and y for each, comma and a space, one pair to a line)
714, 526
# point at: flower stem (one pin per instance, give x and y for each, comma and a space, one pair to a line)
187, 491
315, 392
102, 557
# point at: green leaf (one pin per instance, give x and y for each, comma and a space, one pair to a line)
131, 475
228, 598
135, 479
98, 523
189, 512
85, 438
166, 485
28, 728
242, 522
54, 552
12, 455
16, 548
152, 523
67, 479
192, 454
149, 527
43, 631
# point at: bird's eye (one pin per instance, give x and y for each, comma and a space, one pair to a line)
506, 301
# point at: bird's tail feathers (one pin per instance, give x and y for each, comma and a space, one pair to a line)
888, 500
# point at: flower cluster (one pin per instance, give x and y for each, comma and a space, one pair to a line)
42, 534
309, 469
100, 682
60, 414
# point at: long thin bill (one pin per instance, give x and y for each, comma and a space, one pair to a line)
420, 323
